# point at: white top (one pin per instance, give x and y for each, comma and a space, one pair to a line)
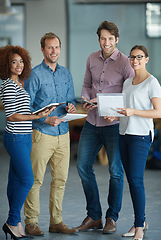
139, 97
15, 100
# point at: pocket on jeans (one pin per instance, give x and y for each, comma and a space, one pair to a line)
18, 137
36, 136
147, 142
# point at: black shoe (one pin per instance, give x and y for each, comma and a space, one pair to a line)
27, 237
7, 230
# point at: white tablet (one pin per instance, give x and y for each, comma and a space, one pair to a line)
109, 102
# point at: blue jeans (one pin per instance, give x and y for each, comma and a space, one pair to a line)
91, 141
20, 178
134, 151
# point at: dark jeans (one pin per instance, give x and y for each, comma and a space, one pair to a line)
134, 151
20, 178
91, 140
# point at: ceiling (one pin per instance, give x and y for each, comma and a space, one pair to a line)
111, 1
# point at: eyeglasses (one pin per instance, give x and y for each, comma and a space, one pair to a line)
138, 57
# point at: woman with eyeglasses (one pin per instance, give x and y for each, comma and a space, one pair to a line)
15, 65
143, 103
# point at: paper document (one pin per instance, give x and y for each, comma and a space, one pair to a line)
82, 101
72, 116
109, 102
48, 107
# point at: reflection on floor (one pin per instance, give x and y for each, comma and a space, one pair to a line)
74, 203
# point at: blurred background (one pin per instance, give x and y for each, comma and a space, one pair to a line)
24, 22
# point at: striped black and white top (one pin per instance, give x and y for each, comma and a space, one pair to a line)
15, 100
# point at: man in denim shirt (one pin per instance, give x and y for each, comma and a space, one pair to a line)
49, 83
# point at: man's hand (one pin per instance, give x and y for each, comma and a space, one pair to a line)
111, 119
87, 106
70, 108
53, 121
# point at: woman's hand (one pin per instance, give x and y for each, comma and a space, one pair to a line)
45, 113
21, 117
126, 111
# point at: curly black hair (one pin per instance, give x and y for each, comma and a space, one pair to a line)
6, 54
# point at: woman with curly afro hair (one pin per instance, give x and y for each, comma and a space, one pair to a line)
6, 54
15, 66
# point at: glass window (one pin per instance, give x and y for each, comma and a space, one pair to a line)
153, 19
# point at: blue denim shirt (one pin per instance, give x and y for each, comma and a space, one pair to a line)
44, 87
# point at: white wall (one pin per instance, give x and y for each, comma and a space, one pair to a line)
83, 39
45, 16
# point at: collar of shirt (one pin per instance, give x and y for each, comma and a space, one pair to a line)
51, 87
104, 76
113, 55
47, 66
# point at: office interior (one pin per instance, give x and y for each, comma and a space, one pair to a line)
24, 22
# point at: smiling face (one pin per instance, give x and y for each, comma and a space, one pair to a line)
16, 66
138, 59
107, 43
51, 51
